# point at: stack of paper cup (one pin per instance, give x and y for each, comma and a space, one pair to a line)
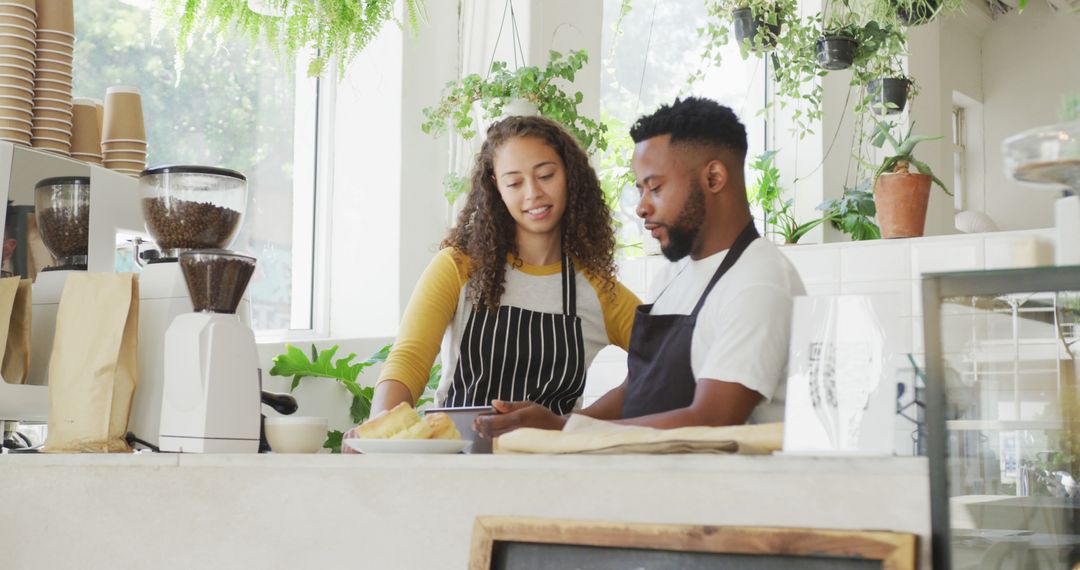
18, 33
123, 139
53, 77
100, 114
85, 136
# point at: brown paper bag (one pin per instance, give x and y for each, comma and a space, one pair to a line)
15, 365
92, 368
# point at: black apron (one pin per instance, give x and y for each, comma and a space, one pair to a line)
518, 355
660, 378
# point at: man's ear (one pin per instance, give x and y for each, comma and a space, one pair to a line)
716, 177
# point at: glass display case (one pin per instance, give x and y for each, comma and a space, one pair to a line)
1003, 415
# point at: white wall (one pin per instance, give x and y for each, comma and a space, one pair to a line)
931, 112
430, 61
366, 189
1029, 62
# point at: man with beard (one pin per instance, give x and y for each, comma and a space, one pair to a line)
712, 349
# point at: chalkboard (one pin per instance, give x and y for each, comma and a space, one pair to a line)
538, 556
507, 543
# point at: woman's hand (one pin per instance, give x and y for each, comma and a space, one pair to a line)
514, 415
351, 434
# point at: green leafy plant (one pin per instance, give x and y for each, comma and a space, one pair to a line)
329, 28
781, 31
532, 84
767, 194
853, 213
294, 363
904, 147
914, 12
539, 87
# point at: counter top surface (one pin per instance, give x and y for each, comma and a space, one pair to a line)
684, 463
173, 511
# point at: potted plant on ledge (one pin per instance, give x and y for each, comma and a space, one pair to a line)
901, 196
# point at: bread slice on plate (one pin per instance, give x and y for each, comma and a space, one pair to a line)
442, 427
388, 423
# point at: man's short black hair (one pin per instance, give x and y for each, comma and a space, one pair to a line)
694, 120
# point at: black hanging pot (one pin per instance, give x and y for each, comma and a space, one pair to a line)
917, 12
836, 52
888, 96
746, 28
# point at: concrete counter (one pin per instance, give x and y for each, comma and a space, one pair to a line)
168, 511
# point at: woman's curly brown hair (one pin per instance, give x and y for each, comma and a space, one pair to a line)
485, 230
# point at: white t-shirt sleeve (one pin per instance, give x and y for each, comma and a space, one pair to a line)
745, 340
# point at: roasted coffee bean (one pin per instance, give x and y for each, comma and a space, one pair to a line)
184, 224
65, 231
216, 284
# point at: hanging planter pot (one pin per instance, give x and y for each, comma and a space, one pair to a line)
888, 96
901, 199
747, 27
514, 107
916, 12
836, 52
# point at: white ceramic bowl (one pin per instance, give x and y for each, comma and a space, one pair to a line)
288, 434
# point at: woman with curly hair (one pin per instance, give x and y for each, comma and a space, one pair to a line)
523, 295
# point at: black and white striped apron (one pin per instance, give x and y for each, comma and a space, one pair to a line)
517, 355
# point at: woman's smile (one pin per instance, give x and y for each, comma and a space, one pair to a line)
538, 213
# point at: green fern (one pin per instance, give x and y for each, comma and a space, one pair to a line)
330, 28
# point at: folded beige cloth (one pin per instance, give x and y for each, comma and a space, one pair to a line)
583, 434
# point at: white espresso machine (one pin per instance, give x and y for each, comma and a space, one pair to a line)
113, 216
185, 207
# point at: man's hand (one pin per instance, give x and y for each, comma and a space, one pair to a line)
513, 415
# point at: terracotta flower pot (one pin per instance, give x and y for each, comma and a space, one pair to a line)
901, 200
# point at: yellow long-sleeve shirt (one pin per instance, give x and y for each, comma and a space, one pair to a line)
439, 310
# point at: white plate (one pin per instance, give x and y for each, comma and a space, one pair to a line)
408, 445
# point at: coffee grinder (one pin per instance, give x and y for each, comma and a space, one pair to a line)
211, 394
185, 208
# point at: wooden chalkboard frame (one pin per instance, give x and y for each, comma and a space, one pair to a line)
896, 551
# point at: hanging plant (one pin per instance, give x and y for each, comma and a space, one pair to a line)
837, 45
920, 12
535, 86
329, 28
768, 26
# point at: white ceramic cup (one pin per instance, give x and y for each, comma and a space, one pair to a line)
288, 434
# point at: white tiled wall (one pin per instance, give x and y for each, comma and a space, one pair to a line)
889, 268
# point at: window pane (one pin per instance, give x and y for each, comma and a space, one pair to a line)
648, 64
232, 106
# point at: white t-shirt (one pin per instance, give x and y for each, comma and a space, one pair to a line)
743, 329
